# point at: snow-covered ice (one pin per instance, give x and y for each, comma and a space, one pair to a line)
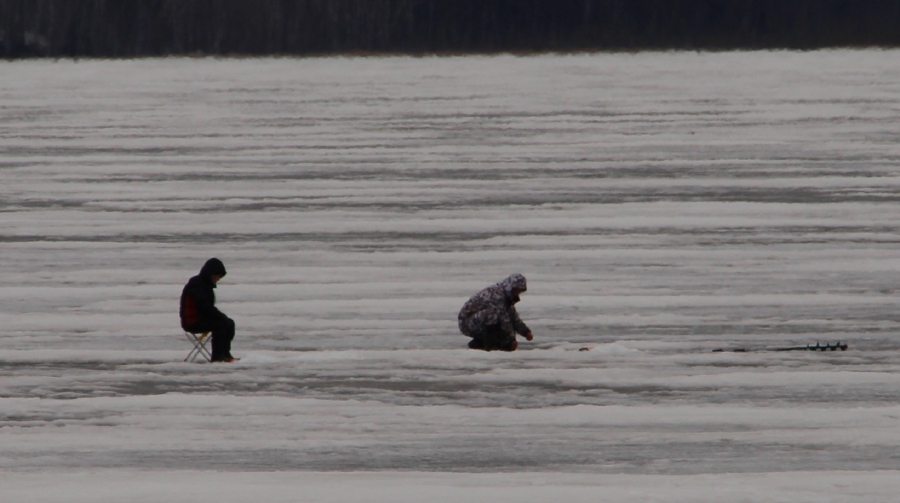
661, 205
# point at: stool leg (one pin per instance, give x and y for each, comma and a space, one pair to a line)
199, 349
203, 350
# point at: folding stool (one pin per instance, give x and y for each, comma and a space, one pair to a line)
200, 342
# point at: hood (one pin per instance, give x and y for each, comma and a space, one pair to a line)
514, 281
212, 267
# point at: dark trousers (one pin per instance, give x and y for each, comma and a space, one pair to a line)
492, 339
486, 331
222, 334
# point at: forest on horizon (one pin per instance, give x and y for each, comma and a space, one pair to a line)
135, 28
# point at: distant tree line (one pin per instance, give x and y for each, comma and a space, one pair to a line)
124, 28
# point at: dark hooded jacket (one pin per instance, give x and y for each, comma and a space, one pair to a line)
198, 300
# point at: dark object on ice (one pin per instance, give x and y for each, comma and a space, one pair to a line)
817, 347
199, 313
584, 349
489, 317
809, 347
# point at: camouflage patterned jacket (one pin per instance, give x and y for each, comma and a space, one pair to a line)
492, 301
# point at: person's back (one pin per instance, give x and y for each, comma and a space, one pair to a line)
490, 318
198, 311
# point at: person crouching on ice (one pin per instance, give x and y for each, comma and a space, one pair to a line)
199, 313
490, 317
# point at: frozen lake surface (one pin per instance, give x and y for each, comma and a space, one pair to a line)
661, 205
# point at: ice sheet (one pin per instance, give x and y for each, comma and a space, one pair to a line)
661, 205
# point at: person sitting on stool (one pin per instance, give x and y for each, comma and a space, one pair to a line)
199, 313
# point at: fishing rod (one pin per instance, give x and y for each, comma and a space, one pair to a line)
808, 347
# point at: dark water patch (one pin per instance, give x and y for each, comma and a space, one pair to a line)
501, 452
17, 205
458, 201
57, 366
377, 385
